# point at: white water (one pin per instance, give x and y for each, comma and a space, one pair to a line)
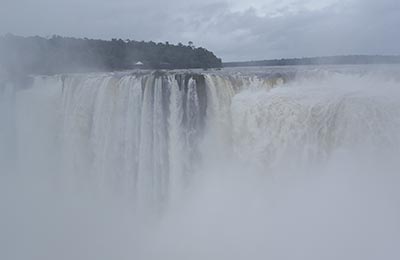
299, 164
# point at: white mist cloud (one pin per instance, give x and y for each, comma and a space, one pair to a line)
347, 208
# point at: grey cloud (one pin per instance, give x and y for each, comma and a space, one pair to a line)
343, 27
352, 27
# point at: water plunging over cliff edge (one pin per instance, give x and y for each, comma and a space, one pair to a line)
296, 155
142, 132
151, 132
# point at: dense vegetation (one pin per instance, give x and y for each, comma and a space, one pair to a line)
37, 55
331, 60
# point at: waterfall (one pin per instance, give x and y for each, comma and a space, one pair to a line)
277, 163
148, 134
307, 122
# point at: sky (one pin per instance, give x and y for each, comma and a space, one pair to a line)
235, 30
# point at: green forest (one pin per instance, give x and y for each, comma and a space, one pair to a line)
328, 60
38, 55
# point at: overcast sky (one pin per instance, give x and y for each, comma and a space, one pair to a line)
232, 29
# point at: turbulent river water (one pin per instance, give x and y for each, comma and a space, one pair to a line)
260, 163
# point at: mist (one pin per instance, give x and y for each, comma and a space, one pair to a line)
344, 213
296, 164
192, 130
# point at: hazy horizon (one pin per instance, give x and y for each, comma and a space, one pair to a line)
233, 30
224, 61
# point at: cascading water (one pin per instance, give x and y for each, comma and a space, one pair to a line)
139, 133
306, 122
270, 163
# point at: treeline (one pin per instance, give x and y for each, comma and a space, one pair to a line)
38, 55
331, 60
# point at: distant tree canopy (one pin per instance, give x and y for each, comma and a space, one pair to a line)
37, 55
329, 60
